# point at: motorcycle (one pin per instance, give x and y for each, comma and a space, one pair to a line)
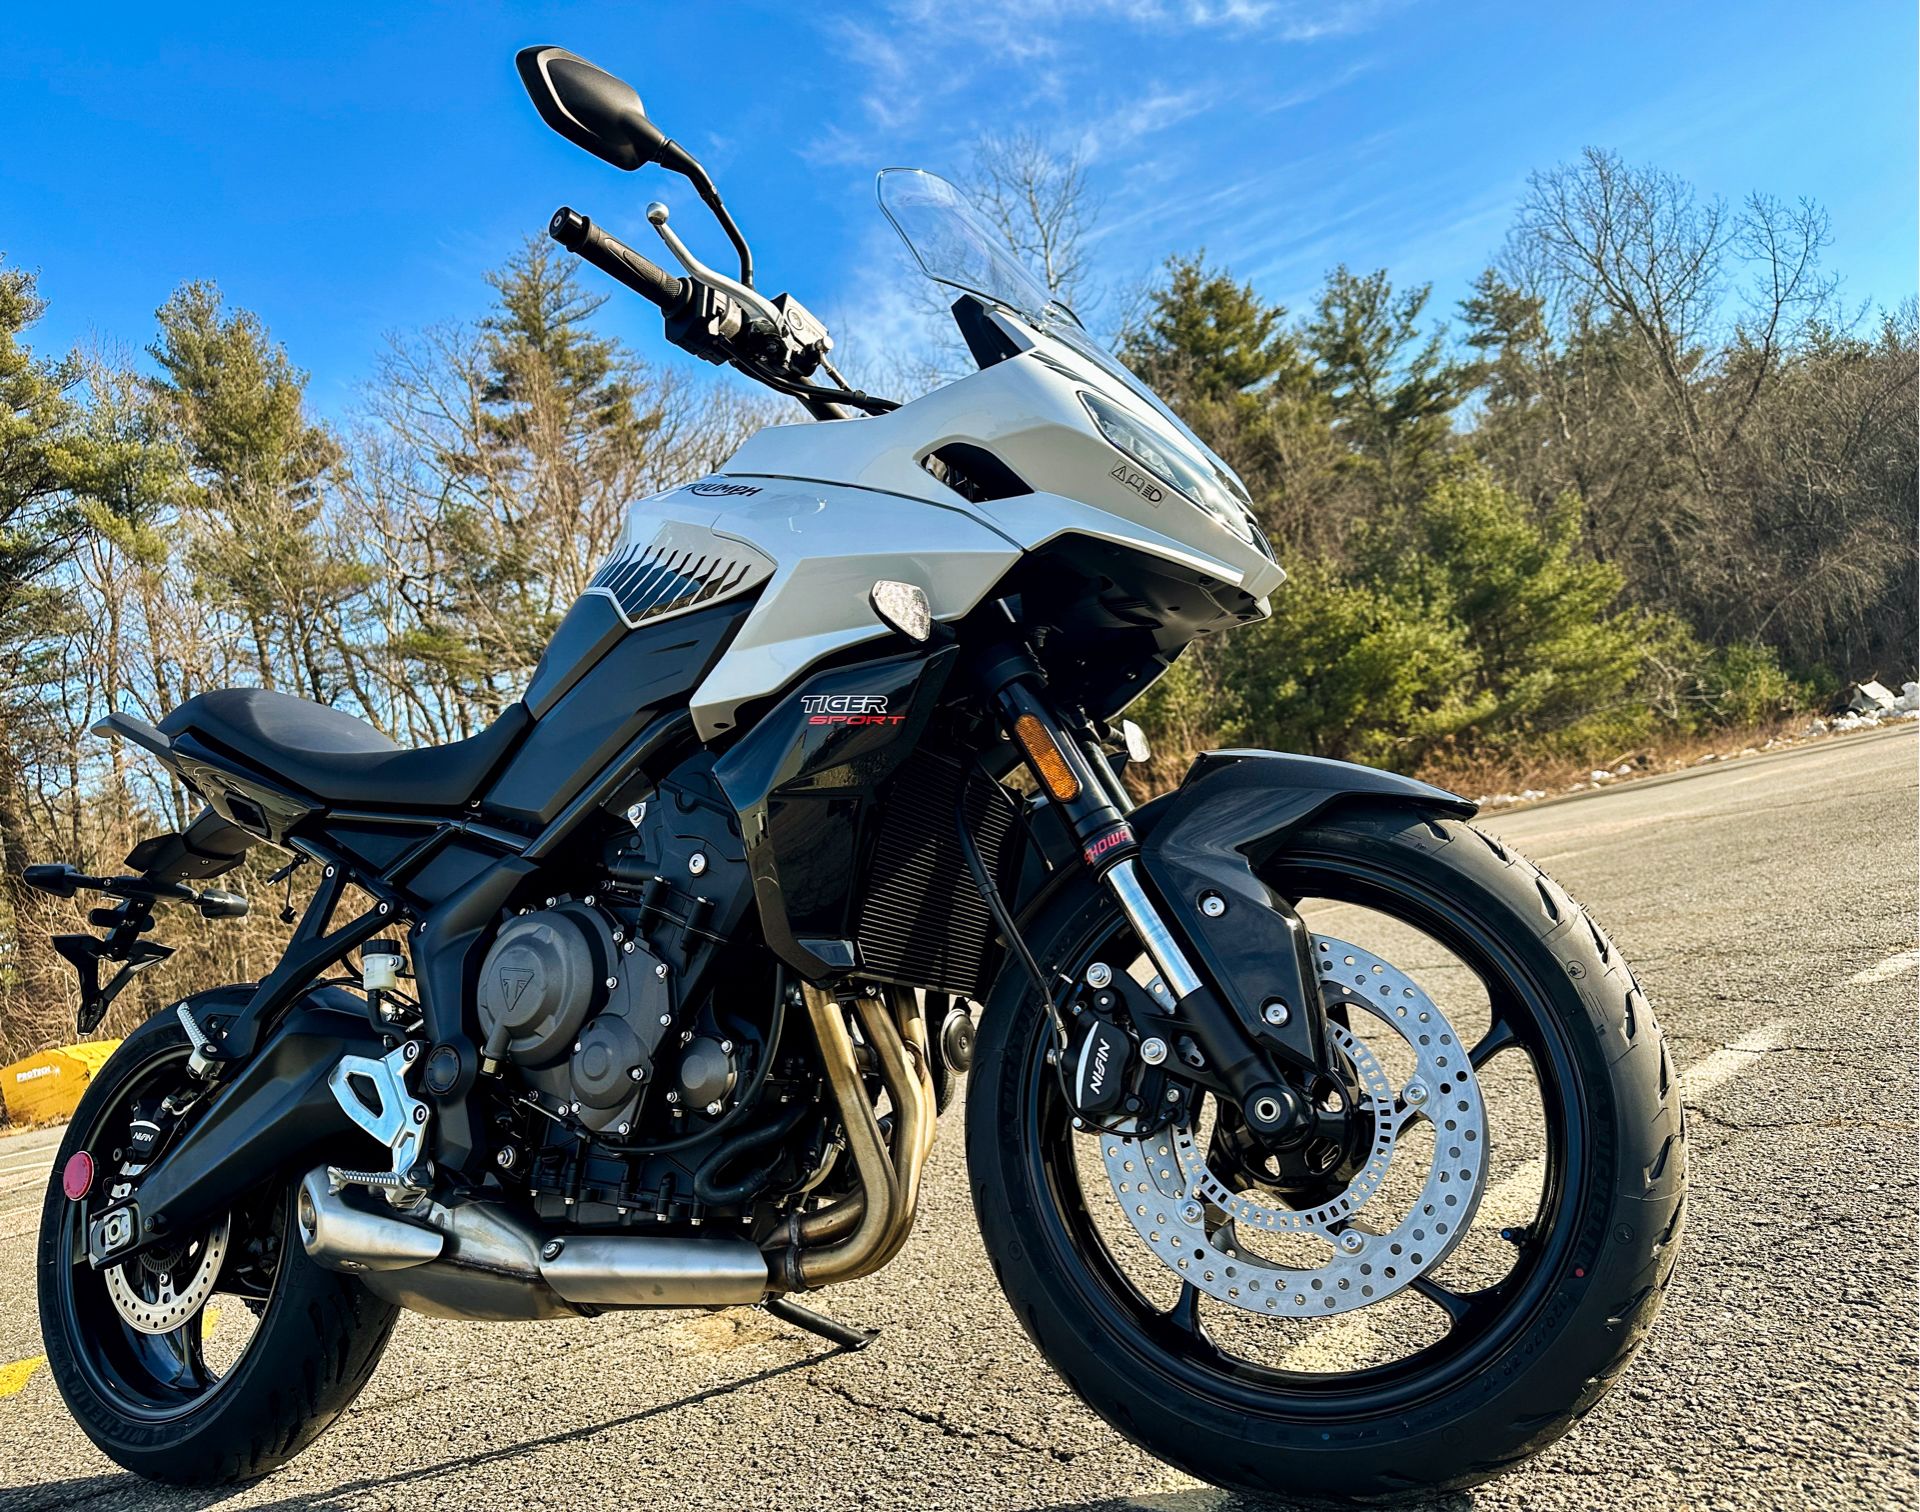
1322, 1144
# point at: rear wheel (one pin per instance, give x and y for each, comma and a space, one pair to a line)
1417, 1309
214, 1359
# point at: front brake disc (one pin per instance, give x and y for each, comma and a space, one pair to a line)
1190, 1218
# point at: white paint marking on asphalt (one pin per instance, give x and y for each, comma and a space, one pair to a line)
1887, 970
1729, 1061
1513, 1199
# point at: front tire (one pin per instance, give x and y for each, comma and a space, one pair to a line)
152, 1403
1580, 1300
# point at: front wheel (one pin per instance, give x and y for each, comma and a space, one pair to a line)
217, 1357
1437, 1284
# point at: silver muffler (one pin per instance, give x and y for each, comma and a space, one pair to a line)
475, 1260
346, 1238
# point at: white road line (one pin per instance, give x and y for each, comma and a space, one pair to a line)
1887, 970
1511, 1200
1729, 1061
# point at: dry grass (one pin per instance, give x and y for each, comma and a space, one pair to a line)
1504, 784
1502, 781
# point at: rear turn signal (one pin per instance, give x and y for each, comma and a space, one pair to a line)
1049, 761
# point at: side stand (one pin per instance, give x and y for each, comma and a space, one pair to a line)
847, 1338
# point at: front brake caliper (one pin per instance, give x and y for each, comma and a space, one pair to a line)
1115, 1053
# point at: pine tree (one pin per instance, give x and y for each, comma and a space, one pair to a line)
518, 444
1228, 363
43, 453
228, 396
1393, 394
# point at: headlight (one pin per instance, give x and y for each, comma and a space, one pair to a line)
1171, 463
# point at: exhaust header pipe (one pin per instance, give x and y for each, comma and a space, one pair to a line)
475, 1260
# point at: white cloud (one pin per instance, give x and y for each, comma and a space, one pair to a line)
1126, 82
916, 54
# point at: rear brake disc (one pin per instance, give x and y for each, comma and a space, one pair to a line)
157, 1300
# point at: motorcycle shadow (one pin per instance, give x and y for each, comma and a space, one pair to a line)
1202, 1499
124, 1490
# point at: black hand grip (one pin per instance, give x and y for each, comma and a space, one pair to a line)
617, 260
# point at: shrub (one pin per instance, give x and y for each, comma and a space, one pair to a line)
1744, 684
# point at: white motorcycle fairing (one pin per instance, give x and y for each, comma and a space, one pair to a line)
813, 514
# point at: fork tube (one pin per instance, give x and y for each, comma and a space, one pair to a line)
1106, 840
1175, 970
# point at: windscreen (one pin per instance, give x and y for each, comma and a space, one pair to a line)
955, 245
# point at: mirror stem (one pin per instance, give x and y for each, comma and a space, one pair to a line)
710, 196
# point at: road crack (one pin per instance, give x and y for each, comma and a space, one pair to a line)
1695, 1110
949, 1428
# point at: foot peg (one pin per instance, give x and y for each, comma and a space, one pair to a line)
848, 1338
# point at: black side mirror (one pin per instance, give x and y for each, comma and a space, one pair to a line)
591, 108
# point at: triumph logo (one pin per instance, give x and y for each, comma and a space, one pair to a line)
514, 981
848, 709
722, 490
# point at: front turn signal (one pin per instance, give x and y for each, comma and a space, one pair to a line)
1049, 761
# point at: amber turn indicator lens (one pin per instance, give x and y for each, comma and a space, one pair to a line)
1049, 761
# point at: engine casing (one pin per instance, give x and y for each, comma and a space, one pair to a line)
580, 1008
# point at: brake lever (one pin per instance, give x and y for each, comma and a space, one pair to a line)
748, 299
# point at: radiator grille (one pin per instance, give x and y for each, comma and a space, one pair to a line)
923, 921
653, 580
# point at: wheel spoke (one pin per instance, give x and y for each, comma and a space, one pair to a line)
1185, 1314
195, 1329
1458, 1306
1499, 1036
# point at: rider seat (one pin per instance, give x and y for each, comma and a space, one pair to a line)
340, 758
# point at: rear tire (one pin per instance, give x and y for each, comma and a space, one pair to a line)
1589, 1300
317, 1342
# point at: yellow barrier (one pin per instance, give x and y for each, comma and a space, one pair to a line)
46, 1086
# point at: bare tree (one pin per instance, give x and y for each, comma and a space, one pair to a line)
1039, 202
1641, 245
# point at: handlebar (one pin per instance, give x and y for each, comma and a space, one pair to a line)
619, 261
719, 322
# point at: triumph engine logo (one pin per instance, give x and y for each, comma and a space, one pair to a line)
848, 709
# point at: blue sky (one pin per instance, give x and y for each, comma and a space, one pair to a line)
351, 170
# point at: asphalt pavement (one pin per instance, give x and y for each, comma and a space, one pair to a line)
1769, 908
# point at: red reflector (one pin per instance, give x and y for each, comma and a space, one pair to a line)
76, 1178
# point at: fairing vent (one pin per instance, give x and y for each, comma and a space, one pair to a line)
923, 921
973, 472
652, 581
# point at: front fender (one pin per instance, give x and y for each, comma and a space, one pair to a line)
1205, 845
1255, 799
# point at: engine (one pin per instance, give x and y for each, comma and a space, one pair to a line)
637, 1026
581, 1008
